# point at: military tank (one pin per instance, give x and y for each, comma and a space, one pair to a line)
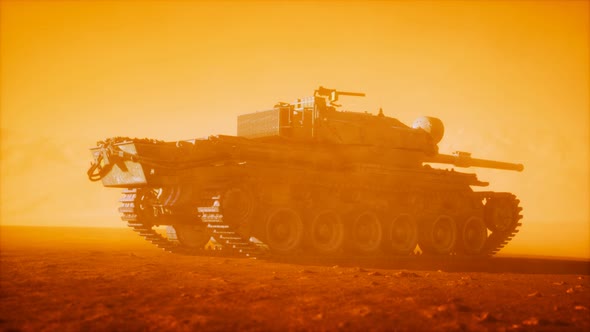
308, 178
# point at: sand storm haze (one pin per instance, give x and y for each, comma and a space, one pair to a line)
509, 79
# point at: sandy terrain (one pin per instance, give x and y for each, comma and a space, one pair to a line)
110, 280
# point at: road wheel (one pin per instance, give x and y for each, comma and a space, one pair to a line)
439, 235
402, 235
192, 236
474, 234
366, 233
284, 231
238, 207
327, 233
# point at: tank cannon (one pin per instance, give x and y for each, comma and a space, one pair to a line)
463, 159
307, 177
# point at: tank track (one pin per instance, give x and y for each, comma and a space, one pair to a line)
210, 214
131, 215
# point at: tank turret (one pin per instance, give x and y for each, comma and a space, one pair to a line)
316, 119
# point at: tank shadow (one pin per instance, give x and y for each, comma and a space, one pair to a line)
526, 265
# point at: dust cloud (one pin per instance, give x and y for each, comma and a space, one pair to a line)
510, 80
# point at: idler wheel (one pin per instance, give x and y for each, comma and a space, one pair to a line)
500, 214
402, 235
439, 236
192, 236
327, 233
366, 233
284, 231
474, 234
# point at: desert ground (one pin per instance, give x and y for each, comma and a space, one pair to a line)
92, 279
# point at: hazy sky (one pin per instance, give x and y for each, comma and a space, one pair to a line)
509, 79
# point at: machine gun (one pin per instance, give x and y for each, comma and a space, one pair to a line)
332, 95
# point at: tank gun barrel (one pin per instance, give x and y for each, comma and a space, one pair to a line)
463, 159
333, 95
352, 94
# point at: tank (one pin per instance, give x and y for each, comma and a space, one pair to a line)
309, 178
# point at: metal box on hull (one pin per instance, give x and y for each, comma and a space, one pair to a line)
123, 173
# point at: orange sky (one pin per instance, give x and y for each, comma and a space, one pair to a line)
509, 79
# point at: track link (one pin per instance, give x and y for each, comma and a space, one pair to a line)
211, 214
132, 216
